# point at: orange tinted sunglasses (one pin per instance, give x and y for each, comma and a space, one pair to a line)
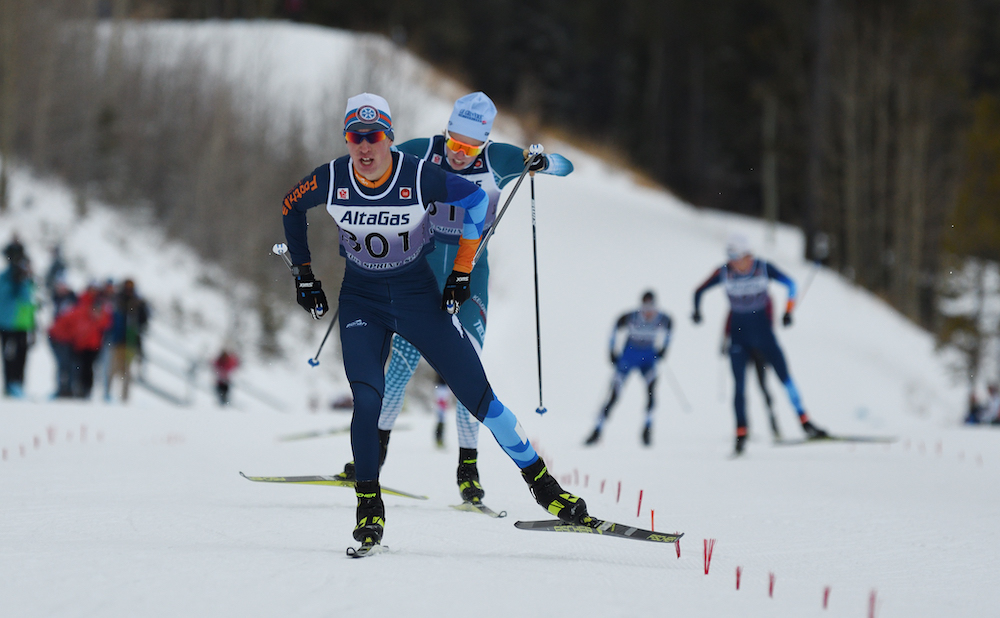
372, 137
456, 146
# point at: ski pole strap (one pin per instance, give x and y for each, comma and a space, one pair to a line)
489, 234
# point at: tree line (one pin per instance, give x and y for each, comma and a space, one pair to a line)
868, 123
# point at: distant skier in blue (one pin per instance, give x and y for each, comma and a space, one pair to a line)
647, 336
380, 199
464, 149
746, 279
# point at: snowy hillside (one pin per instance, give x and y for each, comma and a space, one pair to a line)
139, 510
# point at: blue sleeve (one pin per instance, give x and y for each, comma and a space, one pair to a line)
712, 281
437, 185
507, 162
311, 191
416, 147
780, 277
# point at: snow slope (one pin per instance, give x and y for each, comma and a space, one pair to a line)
126, 510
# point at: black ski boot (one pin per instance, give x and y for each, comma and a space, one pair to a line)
551, 496
383, 447
740, 444
468, 476
594, 437
812, 431
647, 435
348, 474
371, 513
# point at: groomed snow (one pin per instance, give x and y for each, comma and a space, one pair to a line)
138, 509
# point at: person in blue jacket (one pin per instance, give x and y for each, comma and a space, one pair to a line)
745, 279
647, 336
464, 149
380, 201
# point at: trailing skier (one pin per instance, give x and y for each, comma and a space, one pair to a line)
745, 279
647, 336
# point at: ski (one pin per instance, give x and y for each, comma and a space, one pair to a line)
325, 480
478, 507
857, 439
599, 526
366, 549
319, 433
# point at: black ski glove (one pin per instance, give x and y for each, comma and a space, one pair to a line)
787, 318
456, 291
541, 162
696, 317
309, 292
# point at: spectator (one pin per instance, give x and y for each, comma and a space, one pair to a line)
17, 318
224, 364
14, 251
83, 328
63, 300
57, 270
130, 315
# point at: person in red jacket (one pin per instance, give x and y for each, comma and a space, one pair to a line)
225, 364
83, 328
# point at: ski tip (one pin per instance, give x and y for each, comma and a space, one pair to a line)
244, 476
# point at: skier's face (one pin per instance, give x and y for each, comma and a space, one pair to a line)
742, 264
371, 160
462, 150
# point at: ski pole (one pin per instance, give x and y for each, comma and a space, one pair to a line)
493, 228
677, 390
314, 361
809, 280
282, 250
538, 322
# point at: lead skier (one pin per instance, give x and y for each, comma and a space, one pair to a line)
464, 149
380, 200
746, 279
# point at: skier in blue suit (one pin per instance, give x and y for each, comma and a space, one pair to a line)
745, 279
647, 336
464, 149
379, 200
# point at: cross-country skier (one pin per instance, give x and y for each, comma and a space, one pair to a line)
760, 364
464, 149
745, 279
380, 200
647, 336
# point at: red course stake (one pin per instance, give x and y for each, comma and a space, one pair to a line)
677, 544
709, 547
871, 605
739, 571
602, 486
826, 597
770, 585
652, 520
638, 509
619, 496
